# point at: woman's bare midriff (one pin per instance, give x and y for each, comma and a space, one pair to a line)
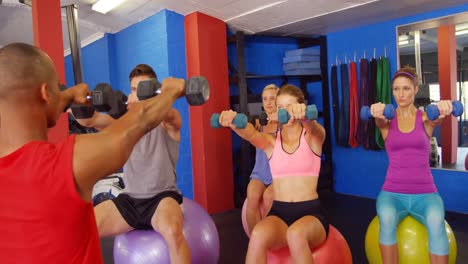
295, 188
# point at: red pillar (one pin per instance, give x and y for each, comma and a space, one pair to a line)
47, 28
206, 49
447, 56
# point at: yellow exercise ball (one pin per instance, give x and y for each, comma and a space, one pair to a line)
412, 240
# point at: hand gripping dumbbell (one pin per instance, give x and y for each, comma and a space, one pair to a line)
197, 90
433, 112
389, 112
311, 114
101, 99
263, 118
240, 121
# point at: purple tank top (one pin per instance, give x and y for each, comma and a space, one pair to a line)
408, 155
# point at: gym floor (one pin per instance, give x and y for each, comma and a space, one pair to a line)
349, 214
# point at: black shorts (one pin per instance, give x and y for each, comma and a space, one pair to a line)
290, 212
138, 212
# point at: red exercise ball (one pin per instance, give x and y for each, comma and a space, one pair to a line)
334, 250
244, 215
466, 161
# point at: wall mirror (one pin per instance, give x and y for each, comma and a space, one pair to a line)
418, 47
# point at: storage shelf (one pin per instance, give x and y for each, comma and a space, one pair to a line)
240, 77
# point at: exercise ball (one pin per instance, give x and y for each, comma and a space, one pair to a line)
412, 240
466, 161
244, 215
148, 246
335, 249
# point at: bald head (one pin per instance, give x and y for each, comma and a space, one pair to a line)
23, 67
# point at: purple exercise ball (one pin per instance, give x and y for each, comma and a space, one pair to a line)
148, 246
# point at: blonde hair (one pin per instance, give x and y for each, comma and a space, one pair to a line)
270, 87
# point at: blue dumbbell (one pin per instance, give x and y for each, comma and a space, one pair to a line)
311, 114
240, 121
389, 112
433, 112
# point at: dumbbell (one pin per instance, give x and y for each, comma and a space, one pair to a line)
311, 114
433, 112
83, 109
240, 121
263, 118
197, 90
102, 99
389, 112
118, 104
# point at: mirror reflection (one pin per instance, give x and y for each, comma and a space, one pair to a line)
418, 47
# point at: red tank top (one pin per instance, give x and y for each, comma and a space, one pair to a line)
42, 217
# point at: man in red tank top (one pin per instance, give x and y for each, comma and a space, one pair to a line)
45, 211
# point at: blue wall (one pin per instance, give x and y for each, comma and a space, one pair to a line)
94, 63
264, 56
360, 172
158, 41
178, 68
144, 42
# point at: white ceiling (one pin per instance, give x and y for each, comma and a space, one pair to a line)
275, 17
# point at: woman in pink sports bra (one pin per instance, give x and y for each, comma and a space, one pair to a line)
409, 187
296, 218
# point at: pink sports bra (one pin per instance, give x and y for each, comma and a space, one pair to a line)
302, 162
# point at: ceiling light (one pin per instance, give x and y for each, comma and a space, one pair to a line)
461, 32
403, 38
403, 42
255, 10
462, 26
347, 5
104, 6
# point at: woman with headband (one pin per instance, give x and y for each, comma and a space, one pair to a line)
409, 187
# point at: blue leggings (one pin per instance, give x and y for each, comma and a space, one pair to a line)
426, 208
